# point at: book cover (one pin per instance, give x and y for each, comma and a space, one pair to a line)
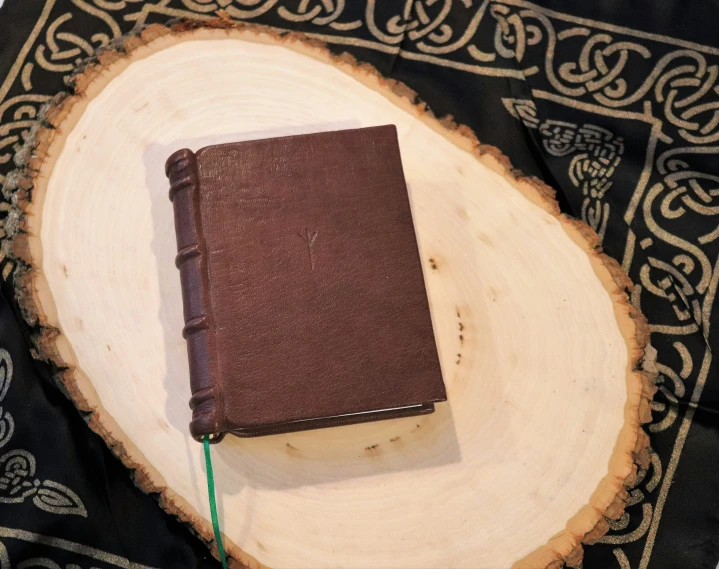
304, 299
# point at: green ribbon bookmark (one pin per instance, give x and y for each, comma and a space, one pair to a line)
213, 504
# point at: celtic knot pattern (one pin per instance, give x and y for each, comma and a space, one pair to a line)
648, 477
512, 37
599, 153
681, 83
17, 467
91, 558
596, 154
671, 387
681, 195
421, 22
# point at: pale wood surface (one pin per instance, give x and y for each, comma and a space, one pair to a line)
536, 340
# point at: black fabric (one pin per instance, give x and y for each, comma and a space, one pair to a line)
608, 102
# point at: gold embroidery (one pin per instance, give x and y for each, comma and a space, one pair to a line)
15, 69
628, 256
104, 16
635, 534
25, 76
674, 459
621, 559
597, 153
17, 467
621, 523
63, 544
524, 110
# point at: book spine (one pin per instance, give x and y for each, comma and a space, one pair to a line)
191, 260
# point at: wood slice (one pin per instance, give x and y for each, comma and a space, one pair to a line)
538, 343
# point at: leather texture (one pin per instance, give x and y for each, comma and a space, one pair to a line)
304, 297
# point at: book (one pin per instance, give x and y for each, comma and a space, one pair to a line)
303, 293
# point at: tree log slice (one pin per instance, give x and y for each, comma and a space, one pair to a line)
538, 343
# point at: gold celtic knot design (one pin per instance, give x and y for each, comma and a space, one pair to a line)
580, 62
596, 153
17, 467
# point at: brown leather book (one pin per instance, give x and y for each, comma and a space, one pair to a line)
304, 301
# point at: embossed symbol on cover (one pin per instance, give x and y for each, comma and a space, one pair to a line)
309, 237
